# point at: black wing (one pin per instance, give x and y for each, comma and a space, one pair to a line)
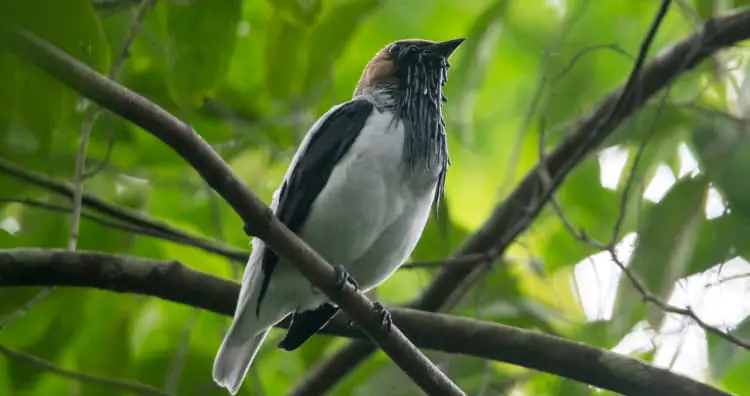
305, 324
328, 144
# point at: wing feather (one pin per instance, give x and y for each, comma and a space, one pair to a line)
329, 140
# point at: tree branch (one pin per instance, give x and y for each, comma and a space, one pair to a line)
175, 282
514, 215
258, 218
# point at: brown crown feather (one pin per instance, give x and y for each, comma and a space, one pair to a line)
381, 70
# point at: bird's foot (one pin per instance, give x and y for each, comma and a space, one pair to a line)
343, 276
386, 321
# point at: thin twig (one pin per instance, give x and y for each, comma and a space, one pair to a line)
120, 213
76, 201
630, 90
105, 162
208, 246
44, 365
688, 312
24, 308
580, 54
728, 279
469, 259
114, 73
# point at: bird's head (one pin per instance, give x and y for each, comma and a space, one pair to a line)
408, 64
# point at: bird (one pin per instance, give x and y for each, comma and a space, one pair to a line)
358, 190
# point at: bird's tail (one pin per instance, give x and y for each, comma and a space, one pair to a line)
248, 330
236, 356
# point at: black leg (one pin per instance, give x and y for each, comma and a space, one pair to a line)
343, 276
385, 317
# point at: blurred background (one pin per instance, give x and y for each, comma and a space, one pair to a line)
252, 76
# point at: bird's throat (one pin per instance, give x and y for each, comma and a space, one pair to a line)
419, 106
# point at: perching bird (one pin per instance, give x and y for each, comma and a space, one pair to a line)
358, 191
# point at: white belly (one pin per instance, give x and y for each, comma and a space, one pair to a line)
372, 211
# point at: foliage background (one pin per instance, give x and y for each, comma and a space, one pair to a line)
252, 76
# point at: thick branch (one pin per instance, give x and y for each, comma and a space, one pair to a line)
257, 217
176, 282
514, 215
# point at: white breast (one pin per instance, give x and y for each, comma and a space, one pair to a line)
372, 211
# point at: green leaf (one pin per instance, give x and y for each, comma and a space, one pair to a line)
330, 36
725, 357
311, 351
40, 228
7, 240
6, 386
662, 253
735, 380
723, 150
302, 12
283, 57
475, 56
435, 244
352, 384
705, 8
57, 318
201, 36
96, 332
587, 206
548, 384
195, 376
743, 96
31, 102
471, 374
595, 334
719, 240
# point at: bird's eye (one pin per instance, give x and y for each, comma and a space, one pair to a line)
395, 50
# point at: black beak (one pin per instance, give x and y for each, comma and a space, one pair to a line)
445, 48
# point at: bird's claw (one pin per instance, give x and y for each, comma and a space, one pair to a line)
386, 321
343, 276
